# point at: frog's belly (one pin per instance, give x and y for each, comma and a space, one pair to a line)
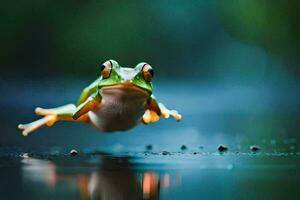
119, 111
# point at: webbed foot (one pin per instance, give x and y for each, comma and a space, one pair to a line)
166, 113
48, 120
50, 117
151, 116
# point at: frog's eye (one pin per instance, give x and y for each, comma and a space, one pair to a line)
147, 72
106, 69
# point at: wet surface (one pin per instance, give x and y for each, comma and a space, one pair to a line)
150, 175
165, 160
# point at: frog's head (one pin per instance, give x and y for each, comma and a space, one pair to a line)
115, 76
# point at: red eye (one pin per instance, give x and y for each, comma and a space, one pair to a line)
106, 69
148, 72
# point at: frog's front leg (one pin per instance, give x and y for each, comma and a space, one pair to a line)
64, 113
93, 102
154, 110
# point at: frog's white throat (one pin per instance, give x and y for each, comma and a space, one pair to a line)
124, 90
121, 108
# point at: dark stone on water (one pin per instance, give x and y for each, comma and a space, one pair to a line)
165, 153
222, 148
73, 152
254, 148
149, 147
183, 147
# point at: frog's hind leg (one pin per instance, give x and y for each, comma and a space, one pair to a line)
63, 113
30, 127
66, 110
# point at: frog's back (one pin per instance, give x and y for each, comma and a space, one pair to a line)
119, 111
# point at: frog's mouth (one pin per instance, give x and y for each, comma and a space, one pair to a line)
125, 88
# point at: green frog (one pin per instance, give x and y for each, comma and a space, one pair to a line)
116, 101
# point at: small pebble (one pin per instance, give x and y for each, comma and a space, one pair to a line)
195, 153
183, 147
222, 148
73, 152
254, 148
24, 155
165, 153
149, 147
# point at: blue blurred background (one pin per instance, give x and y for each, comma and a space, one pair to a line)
230, 67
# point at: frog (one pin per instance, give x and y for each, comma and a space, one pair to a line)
118, 100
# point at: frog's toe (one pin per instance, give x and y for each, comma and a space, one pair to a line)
146, 117
167, 113
176, 115
22, 128
26, 129
48, 120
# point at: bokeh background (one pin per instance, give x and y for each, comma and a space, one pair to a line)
230, 67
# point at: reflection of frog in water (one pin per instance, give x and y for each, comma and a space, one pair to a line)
116, 101
112, 180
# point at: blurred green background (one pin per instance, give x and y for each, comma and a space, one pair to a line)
221, 40
230, 67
